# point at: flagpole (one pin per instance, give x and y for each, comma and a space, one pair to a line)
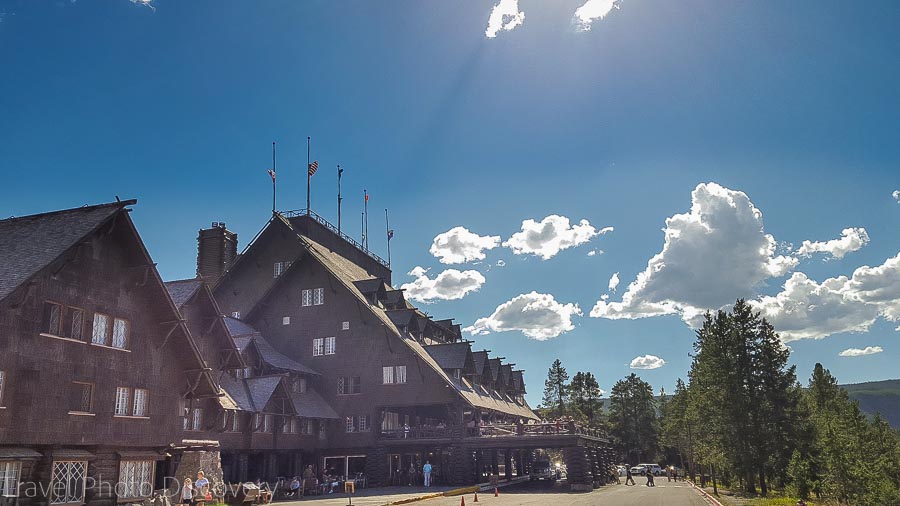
308, 176
366, 217
387, 227
273, 177
340, 171
362, 229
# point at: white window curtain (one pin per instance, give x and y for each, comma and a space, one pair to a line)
387, 375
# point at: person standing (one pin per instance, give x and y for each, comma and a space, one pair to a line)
187, 492
427, 470
650, 478
628, 476
202, 489
412, 474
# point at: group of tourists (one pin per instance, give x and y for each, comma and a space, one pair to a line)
413, 476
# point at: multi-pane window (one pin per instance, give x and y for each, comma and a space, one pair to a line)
123, 400
63, 321
358, 423
318, 347
81, 399
2, 385
120, 333
278, 269
298, 386
306, 426
135, 479
285, 320
348, 385
196, 419
345, 326
52, 319
393, 375
100, 333
246, 372
329, 346
140, 402
312, 297
68, 482
9, 478
391, 421
267, 423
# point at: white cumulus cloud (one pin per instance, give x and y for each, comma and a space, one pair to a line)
852, 239
552, 235
595, 252
450, 284
805, 309
459, 245
537, 315
593, 10
712, 255
896, 195
504, 16
613, 282
647, 362
856, 352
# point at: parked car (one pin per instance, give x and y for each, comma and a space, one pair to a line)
654, 468
638, 470
541, 470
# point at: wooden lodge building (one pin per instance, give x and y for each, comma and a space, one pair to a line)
296, 352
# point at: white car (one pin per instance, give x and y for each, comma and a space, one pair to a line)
638, 470
654, 468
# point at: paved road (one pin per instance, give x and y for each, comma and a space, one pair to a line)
544, 494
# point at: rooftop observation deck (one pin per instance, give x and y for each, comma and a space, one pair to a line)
297, 213
540, 435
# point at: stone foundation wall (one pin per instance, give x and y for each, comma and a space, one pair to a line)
209, 462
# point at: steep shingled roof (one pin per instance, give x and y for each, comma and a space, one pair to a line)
481, 360
237, 328
311, 405
348, 273
30, 243
182, 290
277, 359
449, 356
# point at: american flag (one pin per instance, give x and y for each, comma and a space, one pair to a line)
271, 174
313, 167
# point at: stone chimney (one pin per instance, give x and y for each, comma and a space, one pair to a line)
216, 250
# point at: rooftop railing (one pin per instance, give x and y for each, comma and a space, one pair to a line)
325, 223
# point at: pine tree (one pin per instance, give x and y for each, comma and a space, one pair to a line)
555, 388
632, 418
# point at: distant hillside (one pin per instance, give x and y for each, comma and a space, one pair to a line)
873, 397
878, 397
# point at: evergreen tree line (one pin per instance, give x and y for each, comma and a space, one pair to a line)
578, 399
743, 419
743, 415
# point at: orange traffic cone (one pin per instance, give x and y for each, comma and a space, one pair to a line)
496, 494
462, 500
476, 496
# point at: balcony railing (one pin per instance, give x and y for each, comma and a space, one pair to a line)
325, 223
496, 430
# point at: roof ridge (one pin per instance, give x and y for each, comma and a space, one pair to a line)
119, 203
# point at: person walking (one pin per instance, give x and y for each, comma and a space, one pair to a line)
427, 470
650, 478
628, 476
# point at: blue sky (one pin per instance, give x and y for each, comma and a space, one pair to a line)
791, 109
